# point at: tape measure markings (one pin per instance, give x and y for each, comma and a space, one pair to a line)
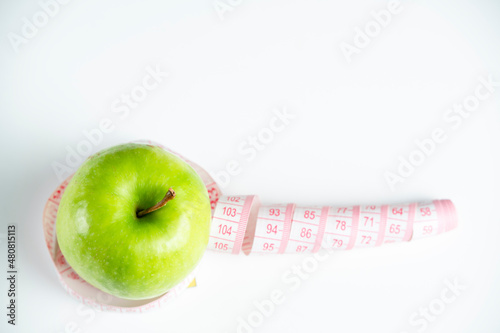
287, 227
382, 225
303, 234
411, 220
426, 221
369, 223
232, 215
355, 227
270, 228
397, 226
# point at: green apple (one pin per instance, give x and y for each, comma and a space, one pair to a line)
124, 230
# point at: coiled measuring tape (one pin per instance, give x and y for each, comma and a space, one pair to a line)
241, 224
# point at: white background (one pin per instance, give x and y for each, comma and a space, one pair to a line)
352, 122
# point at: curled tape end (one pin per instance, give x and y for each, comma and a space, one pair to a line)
451, 218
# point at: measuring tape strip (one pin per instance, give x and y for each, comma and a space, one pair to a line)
241, 224
271, 232
293, 229
229, 222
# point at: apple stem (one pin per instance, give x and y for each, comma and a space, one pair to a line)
169, 196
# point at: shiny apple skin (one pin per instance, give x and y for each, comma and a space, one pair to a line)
105, 242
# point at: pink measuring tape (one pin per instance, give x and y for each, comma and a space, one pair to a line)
241, 224
293, 229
